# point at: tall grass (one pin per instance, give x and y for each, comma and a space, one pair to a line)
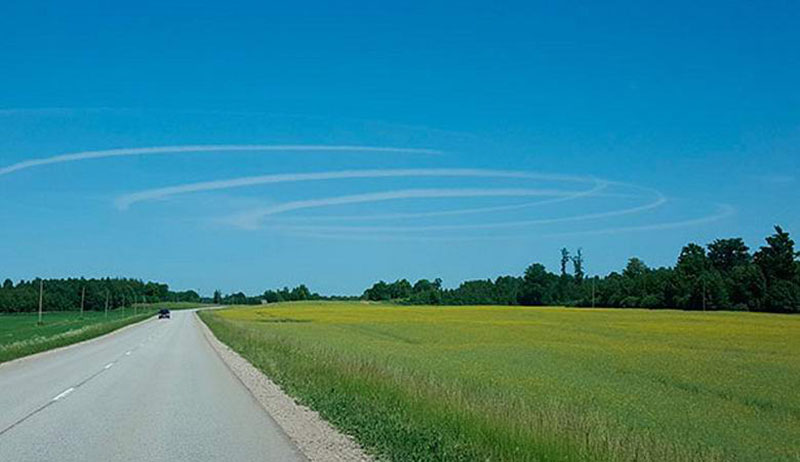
534, 384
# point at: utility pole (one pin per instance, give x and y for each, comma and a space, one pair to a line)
41, 298
704, 294
106, 304
83, 299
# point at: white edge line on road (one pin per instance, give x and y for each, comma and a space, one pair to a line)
64, 393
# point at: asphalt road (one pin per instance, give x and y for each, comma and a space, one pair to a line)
153, 392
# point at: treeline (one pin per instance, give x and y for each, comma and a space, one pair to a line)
724, 275
66, 294
297, 294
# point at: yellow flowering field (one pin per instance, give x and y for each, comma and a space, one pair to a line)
535, 383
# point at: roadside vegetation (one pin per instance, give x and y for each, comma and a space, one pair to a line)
525, 384
22, 335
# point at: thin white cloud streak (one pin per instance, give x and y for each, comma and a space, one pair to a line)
252, 218
125, 152
723, 211
128, 200
55, 110
33, 111
599, 186
594, 192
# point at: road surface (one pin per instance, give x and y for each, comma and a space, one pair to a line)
153, 392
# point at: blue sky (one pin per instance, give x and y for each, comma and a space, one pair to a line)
695, 108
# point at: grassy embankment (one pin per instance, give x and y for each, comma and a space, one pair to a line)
512, 383
21, 335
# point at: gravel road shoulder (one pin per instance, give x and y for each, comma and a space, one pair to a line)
315, 437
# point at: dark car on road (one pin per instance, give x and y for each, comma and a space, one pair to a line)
163, 313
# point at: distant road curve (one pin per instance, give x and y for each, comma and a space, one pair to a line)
156, 391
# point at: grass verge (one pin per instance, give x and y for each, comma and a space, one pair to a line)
20, 335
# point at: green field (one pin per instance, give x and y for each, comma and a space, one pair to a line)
513, 383
21, 335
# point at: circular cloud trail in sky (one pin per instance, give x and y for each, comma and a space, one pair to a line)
255, 218
184, 149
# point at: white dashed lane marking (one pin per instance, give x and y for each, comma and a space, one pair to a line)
69, 390
64, 393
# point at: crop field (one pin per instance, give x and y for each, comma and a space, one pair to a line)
21, 335
514, 383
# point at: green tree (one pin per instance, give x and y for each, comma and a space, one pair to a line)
699, 285
300, 293
564, 261
783, 297
271, 296
777, 258
481, 292
507, 290
778, 262
426, 292
635, 269
747, 287
692, 260
537, 286
378, 292
400, 289
726, 254
424, 285
635, 286
577, 264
